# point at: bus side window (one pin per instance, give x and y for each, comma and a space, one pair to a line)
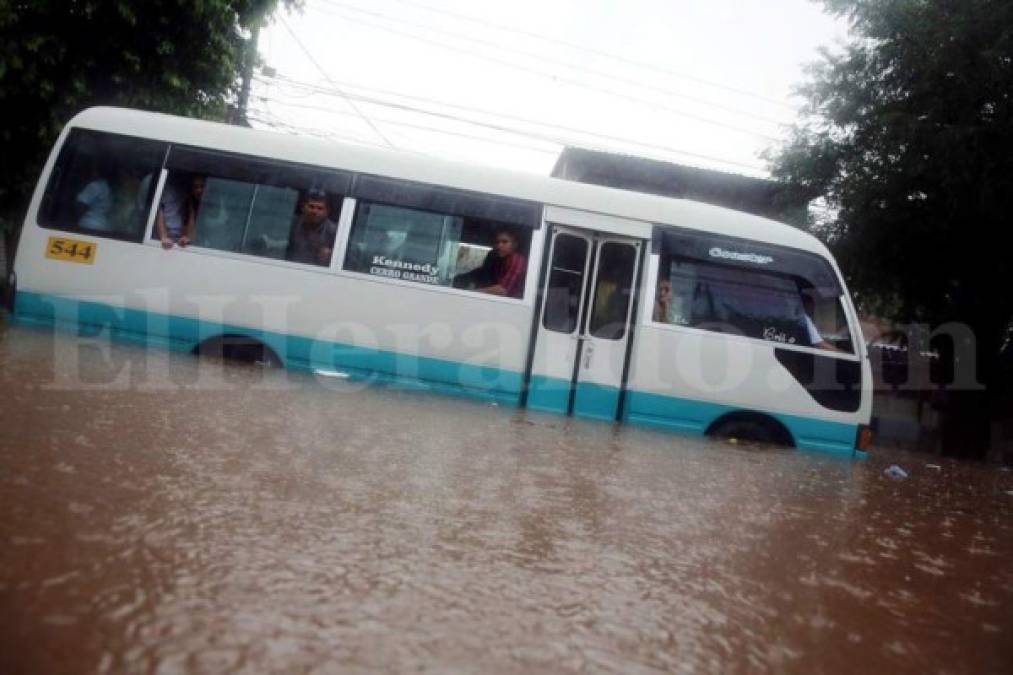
753, 303
432, 248
102, 185
737, 301
676, 293
612, 293
829, 320
439, 236
221, 216
252, 206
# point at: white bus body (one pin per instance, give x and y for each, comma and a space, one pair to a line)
554, 347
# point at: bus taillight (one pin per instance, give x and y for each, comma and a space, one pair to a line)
863, 441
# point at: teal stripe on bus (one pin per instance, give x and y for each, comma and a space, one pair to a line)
680, 414
597, 401
552, 394
411, 371
184, 334
548, 394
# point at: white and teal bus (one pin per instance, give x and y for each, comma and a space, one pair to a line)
619, 306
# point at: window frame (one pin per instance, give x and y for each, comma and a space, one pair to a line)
593, 289
190, 151
647, 321
544, 283
45, 203
463, 292
250, 257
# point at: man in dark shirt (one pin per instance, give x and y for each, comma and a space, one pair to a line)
312, 237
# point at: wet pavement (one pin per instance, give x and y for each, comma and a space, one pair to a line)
165, 514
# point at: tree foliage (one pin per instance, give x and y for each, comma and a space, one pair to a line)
908, 136
58, 57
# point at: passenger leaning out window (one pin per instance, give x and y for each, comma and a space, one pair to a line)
177, 210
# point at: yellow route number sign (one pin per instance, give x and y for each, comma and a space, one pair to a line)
73, 250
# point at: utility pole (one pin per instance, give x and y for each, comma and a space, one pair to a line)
249, 59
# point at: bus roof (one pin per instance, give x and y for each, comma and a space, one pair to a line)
426, 169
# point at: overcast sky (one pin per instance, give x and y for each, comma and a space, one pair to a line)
700, 82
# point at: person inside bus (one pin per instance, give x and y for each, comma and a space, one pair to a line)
127, 214
312, 237
502, 272
210, 227
177, 210
95, 201
811, 332
664, 307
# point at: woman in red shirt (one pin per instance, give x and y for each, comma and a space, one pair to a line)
502, 272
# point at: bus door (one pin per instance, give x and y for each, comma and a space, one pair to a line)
584, 328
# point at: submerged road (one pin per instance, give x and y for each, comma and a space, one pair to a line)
165, 514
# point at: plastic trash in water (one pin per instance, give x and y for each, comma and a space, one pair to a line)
895, 472
337, 374
934, 467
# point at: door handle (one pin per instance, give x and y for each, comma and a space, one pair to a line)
588, 351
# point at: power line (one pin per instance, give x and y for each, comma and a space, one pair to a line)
421, 127
306, 130
513, 130
578, 68
567, 80
328, 78
597, 52
558, 78
277, 123
549, 125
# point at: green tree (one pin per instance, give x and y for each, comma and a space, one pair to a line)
908, 136
58, 57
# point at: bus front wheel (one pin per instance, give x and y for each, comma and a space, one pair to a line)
751, 427
239, 348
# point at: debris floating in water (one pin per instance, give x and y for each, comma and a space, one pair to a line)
895, 472
332, 373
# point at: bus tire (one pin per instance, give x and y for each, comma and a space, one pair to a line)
241, 348
751, 427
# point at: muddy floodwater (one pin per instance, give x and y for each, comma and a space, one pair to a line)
163, 514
